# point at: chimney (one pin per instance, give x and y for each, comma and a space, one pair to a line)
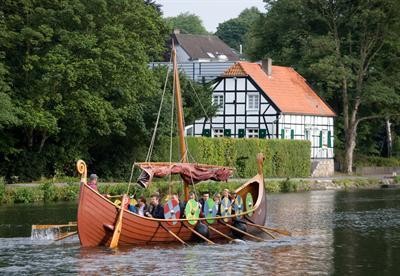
266, 65
177, 31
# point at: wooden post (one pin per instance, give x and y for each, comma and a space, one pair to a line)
180, 118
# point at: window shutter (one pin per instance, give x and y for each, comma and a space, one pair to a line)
241, 133
282, 133
320, 139
227, 133
329, 139
292, 134
206, 133
263, 133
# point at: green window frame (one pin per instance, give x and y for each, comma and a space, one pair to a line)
227, 132
329, 139
206, 132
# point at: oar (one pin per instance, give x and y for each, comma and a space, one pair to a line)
280, 231
198, 234
258, 227
219, 232
118, 225
69, 234
174, 235
46, 226
243, 232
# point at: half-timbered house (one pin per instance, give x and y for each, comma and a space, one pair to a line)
269, 102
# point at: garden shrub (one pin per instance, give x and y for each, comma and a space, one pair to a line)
283, 158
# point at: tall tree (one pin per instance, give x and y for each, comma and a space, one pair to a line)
187, 23
347, 49
77, 72
234, 31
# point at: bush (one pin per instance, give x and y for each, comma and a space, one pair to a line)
369, 161
288, 186
49, 191
2, 189
26, 195
283, 158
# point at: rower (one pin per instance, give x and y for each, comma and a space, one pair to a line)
227, 194
217, 201
158, 210
202, 201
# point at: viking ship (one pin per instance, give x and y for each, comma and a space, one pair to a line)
102, 222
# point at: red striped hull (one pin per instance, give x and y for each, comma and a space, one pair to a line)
95, 211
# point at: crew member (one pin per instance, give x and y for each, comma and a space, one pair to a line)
158, 210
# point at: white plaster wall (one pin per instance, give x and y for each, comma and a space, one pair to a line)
181, 55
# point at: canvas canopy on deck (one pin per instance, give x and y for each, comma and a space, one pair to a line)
190, 173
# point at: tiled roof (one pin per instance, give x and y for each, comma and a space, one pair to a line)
287, 89
205, 47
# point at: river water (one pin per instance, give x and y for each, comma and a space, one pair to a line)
339, 233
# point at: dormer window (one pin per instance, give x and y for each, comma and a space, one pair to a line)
211, 55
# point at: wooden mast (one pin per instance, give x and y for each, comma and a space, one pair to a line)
180, 119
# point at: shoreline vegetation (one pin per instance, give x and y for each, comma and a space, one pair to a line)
49, 191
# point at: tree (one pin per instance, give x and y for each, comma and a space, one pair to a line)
234, 31
77, 72
187, 23
345, 49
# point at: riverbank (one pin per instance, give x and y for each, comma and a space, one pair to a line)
49, 191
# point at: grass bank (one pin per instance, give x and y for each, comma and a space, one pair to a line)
49, 192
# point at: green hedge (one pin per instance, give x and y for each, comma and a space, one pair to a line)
283, 158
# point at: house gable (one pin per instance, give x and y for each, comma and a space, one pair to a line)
287, 89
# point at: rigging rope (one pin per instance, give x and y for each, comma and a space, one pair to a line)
205, 114
153, 138
198, 98
130, 179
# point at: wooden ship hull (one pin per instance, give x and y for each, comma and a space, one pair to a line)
96, 213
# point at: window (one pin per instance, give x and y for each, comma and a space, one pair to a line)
218, 101
308, 134
252, 133
252, 102
287, 133
217, 132
189, 130
323, 139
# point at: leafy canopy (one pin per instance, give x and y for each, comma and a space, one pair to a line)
187, 23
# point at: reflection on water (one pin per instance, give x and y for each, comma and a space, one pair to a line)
333, 233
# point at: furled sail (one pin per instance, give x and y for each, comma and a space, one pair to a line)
190, 173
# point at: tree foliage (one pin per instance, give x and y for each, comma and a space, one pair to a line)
187, 23
233, 31
348, 50
73, 76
